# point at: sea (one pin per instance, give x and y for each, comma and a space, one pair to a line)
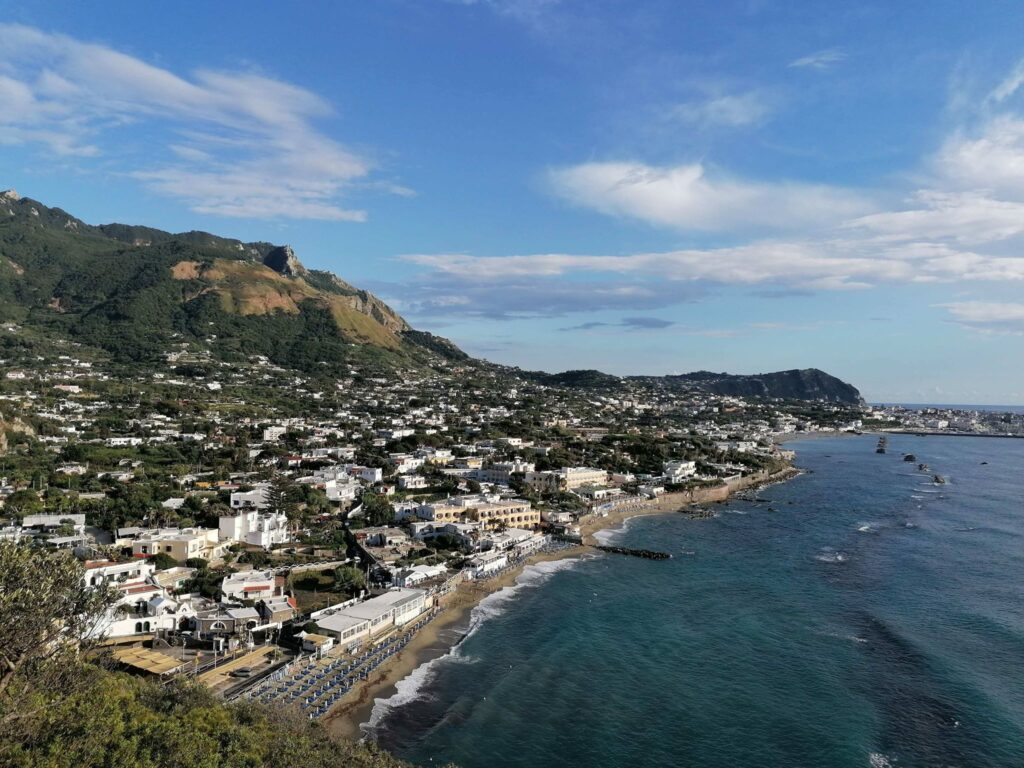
859, 615
960, 407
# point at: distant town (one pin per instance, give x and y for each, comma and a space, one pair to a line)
278, 537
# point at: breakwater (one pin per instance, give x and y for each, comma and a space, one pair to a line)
646, 554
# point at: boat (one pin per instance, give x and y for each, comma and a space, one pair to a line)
882, 443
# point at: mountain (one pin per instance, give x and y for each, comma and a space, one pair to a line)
797, 384
579, 379
139, 292
807, 384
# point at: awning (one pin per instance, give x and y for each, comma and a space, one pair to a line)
145, 660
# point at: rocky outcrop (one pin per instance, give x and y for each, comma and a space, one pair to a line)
13, 426
284, 261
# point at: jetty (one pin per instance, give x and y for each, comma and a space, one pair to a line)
646, 554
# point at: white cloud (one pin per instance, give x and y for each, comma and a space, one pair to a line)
837, 264
685, 197
1008, 86
725, 110
991, 159
965, 225
965, 217
820, 59
228, 143
988, 316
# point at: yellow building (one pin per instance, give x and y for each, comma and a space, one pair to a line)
491, 511
181, 544
514, 513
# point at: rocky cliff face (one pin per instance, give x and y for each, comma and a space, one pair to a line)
284, 261
15, 427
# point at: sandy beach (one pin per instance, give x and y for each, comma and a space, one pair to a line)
436, 639
449, 627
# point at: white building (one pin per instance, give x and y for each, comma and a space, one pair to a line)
99, 572
342, 489
405, 463
143, 605
412, 482
486, 563
258, 529
521, 541
679, 471
501, 471
257, 498
254, 585
123, 442
273, 434
410, 577
374, 616
567, 478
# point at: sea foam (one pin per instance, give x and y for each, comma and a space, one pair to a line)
607, 536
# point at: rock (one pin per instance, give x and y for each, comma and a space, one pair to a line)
10, 194
284, 261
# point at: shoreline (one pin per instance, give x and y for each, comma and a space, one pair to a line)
346, 721
348, 718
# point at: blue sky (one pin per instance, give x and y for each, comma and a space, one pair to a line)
639, 187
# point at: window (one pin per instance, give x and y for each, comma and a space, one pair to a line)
138, 626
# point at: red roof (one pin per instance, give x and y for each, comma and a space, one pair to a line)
135, 589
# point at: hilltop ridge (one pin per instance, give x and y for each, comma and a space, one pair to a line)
137, 292
797, 384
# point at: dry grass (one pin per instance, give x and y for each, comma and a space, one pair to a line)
185, 270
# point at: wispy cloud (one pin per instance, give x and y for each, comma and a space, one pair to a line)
1001, 317
1008, 86
688, 197
965, 217
728, 110
626, 323
820, 59
826, 264
225, 143
511, 295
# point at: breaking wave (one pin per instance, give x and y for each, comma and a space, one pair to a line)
415, 686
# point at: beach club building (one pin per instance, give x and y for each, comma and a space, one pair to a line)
358, 622
486, 563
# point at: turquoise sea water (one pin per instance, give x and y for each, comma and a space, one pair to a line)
859, 615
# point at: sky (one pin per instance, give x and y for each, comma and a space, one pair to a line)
641, 187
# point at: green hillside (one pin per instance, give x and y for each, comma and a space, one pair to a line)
139, 293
